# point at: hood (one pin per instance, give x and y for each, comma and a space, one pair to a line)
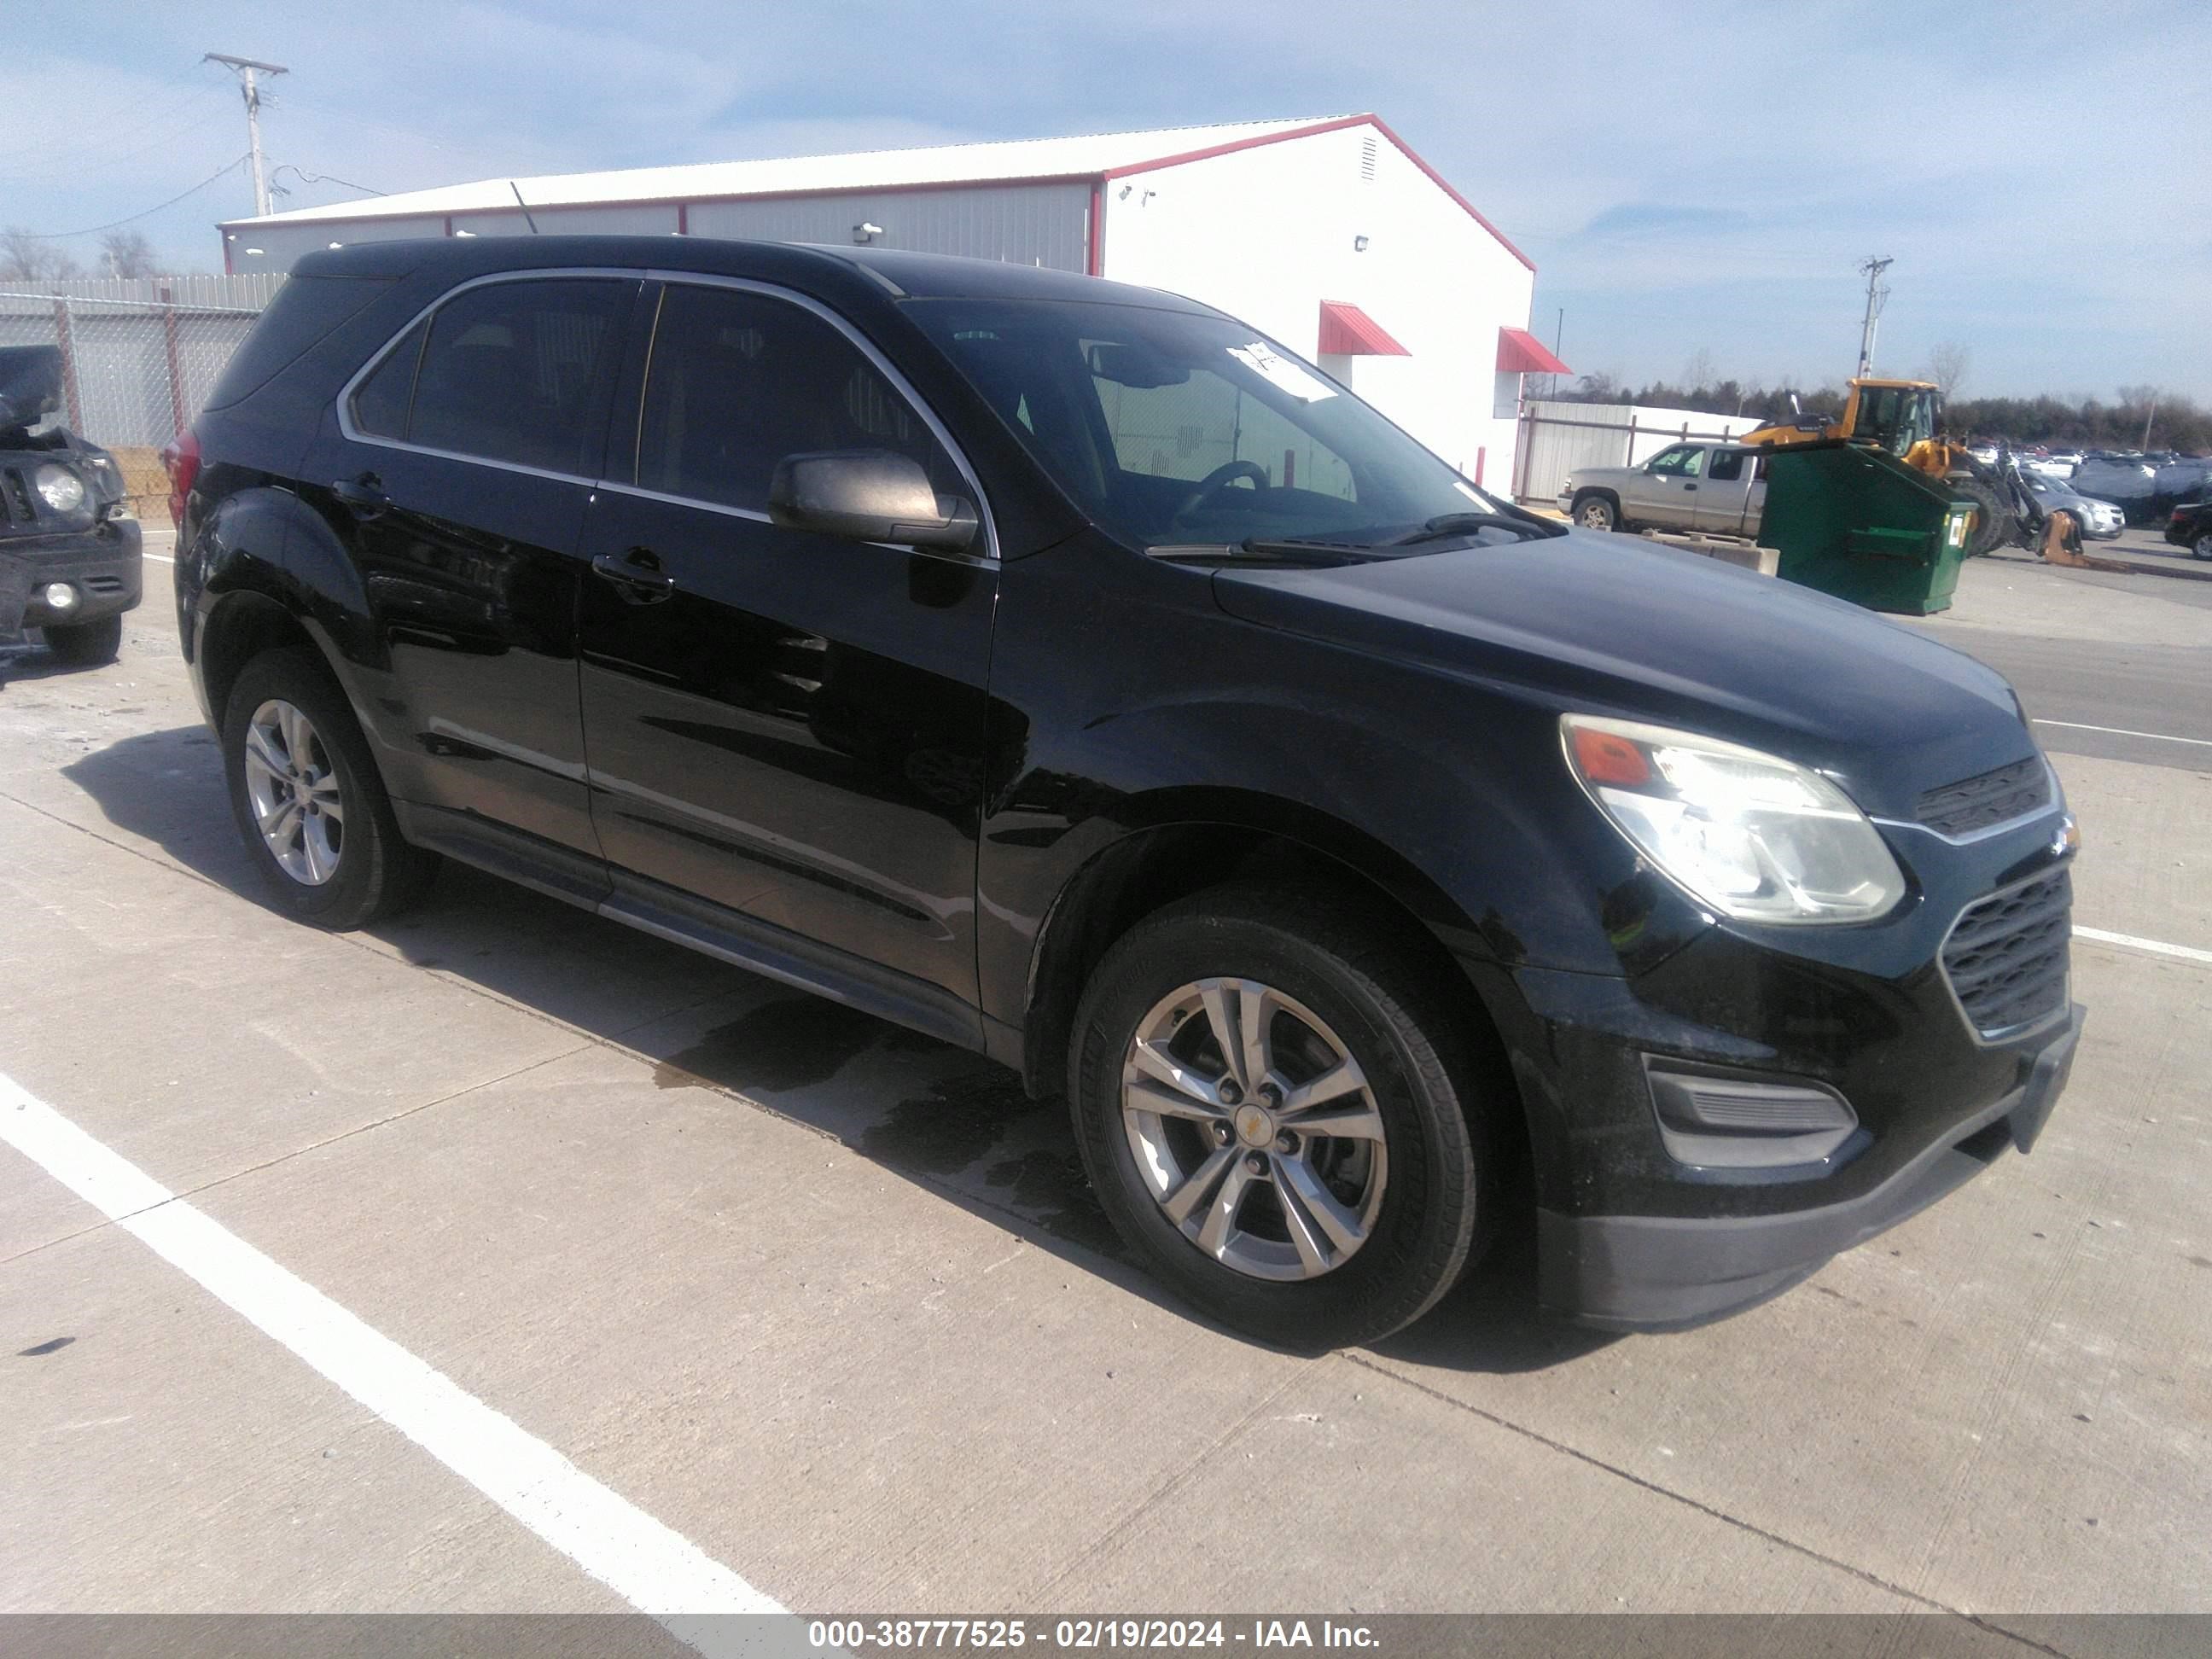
1618, 625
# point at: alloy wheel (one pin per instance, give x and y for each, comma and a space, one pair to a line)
1254, 1129
1596, 516
2202, 550
295, 794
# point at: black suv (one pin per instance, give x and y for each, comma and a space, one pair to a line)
1067, 671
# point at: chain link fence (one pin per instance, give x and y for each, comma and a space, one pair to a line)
134, 369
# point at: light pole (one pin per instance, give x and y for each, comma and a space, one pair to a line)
247, 68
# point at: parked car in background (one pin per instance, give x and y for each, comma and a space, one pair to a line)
1348, 847
2126, 483
69, 550
1715, 486
2101, 520
2190, 525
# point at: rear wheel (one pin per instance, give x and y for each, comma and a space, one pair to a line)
1596, 512
309, 803
1276, 1112
85, 645
2202, 547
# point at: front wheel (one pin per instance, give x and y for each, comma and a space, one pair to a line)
87, 645
1596, 512
1277, 1113
310, 806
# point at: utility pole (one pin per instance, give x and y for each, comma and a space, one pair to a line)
2148, 414
1877, 295
247, 68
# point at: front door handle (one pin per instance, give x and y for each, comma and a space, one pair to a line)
636, 575
363, 496
1689, 486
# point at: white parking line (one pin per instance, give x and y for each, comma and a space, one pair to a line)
158, 558
2122, 732
2158, 947
655, 1569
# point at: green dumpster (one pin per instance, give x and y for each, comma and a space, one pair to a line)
1853, 520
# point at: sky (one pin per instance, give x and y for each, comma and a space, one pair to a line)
1699, 176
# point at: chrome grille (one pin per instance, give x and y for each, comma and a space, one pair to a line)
1976, 803
2006, 958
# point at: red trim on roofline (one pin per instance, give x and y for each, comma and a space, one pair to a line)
1338, 125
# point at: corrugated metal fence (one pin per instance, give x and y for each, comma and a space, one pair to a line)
139, 356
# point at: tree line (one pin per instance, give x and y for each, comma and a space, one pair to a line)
2176, 421
26, 257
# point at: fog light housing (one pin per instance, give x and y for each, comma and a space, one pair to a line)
1722, 1120
60, 595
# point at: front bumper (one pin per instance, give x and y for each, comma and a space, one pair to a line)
104, 566
1668, 1272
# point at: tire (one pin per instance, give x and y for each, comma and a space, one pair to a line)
1422, 1195
1993, 524
344, 864
87, 645
2202, 547
1593, 511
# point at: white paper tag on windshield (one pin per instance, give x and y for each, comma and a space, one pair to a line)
1282, 373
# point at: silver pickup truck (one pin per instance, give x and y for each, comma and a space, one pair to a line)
1714, 486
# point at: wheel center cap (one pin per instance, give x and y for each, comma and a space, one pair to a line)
1254, 1126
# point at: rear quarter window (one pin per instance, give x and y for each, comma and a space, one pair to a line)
304, 310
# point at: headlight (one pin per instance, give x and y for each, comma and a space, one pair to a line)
1754, 837
63, 488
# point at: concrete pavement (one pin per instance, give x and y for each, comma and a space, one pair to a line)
831, 1302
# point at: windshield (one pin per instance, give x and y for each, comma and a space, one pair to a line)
1178, 430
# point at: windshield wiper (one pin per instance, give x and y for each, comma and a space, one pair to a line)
1466, 524
1255, 549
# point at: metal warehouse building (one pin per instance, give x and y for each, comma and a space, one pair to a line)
1330, 235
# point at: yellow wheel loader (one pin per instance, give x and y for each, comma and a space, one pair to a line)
1905, 418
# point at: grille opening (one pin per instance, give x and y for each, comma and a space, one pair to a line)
2006, 959
1989, 797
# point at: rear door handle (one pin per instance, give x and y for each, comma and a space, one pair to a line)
364, 497
636, 575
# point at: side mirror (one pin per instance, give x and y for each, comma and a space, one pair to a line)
868, 495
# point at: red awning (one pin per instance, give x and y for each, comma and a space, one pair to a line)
1520, 352
1348, 331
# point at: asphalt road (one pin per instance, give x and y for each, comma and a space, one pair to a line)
504, 1259
2095, 655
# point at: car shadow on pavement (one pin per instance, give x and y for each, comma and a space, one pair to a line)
24, 659
931, 1113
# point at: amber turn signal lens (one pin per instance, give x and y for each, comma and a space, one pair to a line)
1608, 757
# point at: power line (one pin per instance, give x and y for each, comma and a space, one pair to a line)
318, 178
93, 230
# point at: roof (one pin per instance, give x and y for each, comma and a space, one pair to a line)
1089, 156
880, 273
1095, 155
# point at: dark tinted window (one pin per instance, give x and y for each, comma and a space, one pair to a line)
521, 372
738, 381
379, 402
1727, 465
304, 310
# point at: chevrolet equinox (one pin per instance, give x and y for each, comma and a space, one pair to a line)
1069, 671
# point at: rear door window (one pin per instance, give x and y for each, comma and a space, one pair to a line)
521, 373
1727, 465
